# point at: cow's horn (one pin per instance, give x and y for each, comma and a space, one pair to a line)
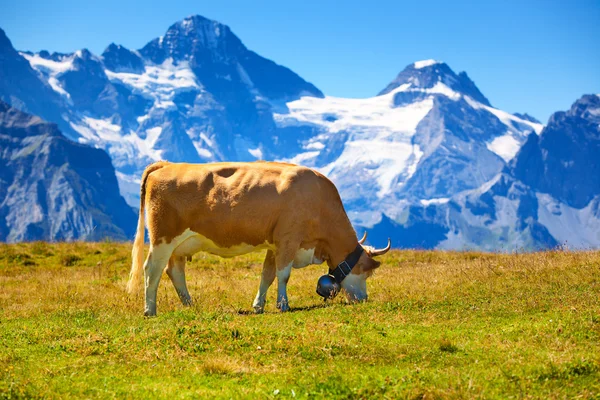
380, 252
361, 241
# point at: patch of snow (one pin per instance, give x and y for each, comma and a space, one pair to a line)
390, 158
202, 152
152, 135
412, 167
51, 69
505, 146
425, 63
576, 228
129, 186
379, 134
53, 82
159, 82
256, 153
142, 118
206, 139
143, 147
441, 200
373, 115
86, 133
303, 157
314, 146
104, 129
454, 241
438, 88
55, 67
483, 188
506, 118
365, 219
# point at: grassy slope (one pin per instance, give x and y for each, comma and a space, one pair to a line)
437, 325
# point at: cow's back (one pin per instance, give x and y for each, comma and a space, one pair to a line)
230, 203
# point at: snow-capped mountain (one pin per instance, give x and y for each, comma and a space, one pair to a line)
428, 135
430, 144
548, 195
197, 94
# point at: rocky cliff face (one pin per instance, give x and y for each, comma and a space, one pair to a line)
54, 189
564, 162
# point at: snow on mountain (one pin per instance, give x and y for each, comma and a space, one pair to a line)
421, 159
570, 226
548, 195
425, 63
51, 69
158, 82
424, 137
377, 135
197, 94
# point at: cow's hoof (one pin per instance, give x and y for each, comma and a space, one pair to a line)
187, 302
283, 307
259, 310
149, 314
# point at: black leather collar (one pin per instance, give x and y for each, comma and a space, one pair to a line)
345, 267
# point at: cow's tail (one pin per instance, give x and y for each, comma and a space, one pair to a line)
137, 254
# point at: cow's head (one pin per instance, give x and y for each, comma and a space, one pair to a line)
355, 284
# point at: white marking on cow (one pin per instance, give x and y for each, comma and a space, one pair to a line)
261, 297
190, 242
266, 279
185, 244
305, 257
176, 271
355, 286
283, 275
155, 264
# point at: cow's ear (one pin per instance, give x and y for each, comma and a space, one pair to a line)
370, 264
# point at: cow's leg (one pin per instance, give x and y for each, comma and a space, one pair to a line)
153, 269
266, 279
284, 264
176, 271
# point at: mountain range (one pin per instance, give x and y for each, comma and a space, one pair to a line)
427, 160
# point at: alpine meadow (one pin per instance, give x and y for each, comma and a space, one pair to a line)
437, 325
299, 200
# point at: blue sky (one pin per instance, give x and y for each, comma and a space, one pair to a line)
525, 56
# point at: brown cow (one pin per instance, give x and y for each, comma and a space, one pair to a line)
229, 209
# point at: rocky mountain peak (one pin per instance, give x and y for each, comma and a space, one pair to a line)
563, 161
527, 117
427, 74
118, 58
4, 41
587, 107
195, 38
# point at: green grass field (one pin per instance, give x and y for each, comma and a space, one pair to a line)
437, 325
